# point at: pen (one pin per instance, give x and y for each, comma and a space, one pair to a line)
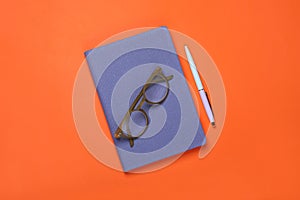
203, 94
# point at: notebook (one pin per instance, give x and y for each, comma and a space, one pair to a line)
120, 70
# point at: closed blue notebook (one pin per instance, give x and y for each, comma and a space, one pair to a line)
120, 70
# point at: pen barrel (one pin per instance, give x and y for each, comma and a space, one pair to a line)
207, 107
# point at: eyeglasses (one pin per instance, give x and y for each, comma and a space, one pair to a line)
136, 121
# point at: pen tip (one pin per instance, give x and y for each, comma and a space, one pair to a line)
213, 124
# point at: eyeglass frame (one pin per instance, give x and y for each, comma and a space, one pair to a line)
138, 103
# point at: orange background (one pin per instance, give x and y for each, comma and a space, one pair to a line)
255, 45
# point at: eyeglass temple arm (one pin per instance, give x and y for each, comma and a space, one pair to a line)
158, 79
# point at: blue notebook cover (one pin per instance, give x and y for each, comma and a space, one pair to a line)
119, 71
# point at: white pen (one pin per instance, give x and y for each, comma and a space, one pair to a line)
197, 79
